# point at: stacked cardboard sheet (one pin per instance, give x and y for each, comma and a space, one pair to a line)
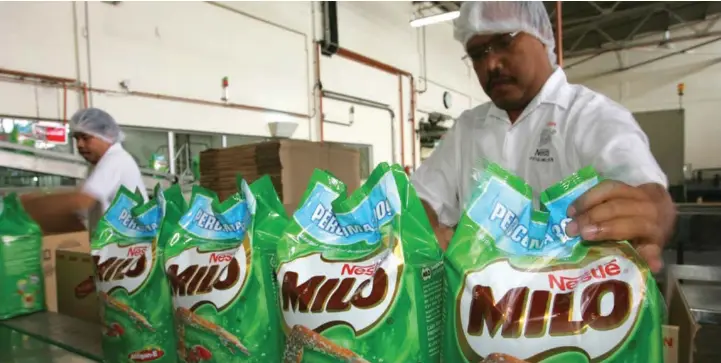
290, 164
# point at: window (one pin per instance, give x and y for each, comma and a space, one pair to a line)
42, 134
146, 145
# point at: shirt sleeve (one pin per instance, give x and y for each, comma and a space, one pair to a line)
610, 139
436, 180
102, 183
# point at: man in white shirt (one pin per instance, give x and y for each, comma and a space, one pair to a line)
543, 129
98, 139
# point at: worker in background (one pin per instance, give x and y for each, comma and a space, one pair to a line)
98, 139
543, 129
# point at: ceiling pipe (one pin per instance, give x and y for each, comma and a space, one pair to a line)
424, 61
349, 54
412, 120
402, 124
36, 76
368, 103
559, 34
359, 58
357, 100
44, 78
318, 87
58, 82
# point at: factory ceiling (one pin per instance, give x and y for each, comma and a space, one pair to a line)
593, 27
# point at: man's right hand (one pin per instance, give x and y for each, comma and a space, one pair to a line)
443, 233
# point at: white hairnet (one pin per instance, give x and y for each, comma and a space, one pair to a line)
496, 17
98, 123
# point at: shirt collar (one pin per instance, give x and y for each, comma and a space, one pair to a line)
114, 148
555, 91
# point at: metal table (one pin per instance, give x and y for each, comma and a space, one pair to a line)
16, 347
685, 212
77, 336
701, 286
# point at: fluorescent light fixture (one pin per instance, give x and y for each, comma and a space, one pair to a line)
428, 20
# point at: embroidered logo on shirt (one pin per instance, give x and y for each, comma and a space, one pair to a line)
543, 154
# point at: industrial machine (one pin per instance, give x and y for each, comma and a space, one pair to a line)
25, 168
431, 131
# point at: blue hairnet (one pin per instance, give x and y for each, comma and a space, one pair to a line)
98, 123
496, 17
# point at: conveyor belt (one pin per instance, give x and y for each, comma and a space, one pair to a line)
18, 347
701, 286
698, 209
683, 226
80, 337
26, 158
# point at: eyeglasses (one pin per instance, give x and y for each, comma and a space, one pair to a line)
497, 44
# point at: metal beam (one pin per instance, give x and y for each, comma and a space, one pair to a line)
584, 60
600, 10
639, 26
638, 44
653, 60
615, 5
712, 21
579, 40
682, 21
605, 35
597, 20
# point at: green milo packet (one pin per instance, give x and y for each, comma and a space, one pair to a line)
134, 295
517, 285
361, 278
219, 261
22, 282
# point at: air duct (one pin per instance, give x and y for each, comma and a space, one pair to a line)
329, 44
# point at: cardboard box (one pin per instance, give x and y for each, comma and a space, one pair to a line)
59, 232
76, 287
679, 334
670, 344
73, 241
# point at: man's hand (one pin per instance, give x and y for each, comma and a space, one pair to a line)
614, 211
444, 235
52, 211
443, 232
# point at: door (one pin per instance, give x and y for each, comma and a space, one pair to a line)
665, 130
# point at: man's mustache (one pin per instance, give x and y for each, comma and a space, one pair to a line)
495, 78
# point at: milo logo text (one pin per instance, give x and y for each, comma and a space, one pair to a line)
126, 267
209, 222
509, 224
326, 220
318, 293
598, 303
206, 277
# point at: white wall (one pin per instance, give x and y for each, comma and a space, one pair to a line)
653, 87
266, 49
